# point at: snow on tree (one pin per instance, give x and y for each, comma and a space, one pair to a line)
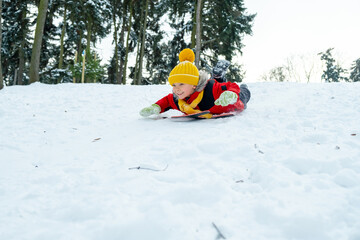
333, 72
355, 71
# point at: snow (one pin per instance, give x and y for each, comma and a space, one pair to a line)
78, 162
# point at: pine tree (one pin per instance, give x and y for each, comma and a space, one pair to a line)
116, 13
98, 21
355, 71
51, 46
180, 16
223, 24
127, 48
149, 44
85, 22
156, 62
75, 29
226, 24
333, 72
143, 36
16, 38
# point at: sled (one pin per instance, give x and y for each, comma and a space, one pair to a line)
198, 116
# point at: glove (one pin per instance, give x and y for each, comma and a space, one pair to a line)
148, 111
226, 98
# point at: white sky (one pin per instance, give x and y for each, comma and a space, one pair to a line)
284, 28
293, 28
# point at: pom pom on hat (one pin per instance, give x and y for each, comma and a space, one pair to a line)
187, 55
185, 71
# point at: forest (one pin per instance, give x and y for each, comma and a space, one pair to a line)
54, 41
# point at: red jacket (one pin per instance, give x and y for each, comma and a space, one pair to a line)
212, 91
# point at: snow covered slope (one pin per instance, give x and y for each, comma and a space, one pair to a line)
78, 162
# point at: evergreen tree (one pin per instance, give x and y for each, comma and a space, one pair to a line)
75, 30
98, 21
128, 45
150, 50
94, 71
333, 72
121, 43
86, 22
116, 12
51, 46
355, 71
16, 47
181, 13
225, 25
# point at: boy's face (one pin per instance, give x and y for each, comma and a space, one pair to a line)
183, 90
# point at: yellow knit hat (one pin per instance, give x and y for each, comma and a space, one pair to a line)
185, 71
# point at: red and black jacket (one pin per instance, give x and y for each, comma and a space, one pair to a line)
212, 91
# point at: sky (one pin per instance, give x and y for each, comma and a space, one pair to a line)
294, 29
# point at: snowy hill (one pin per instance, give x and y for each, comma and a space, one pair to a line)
78, 162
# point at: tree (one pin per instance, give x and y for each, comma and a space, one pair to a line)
154, 55
277, 74
333, 72
116, 12
149, 41
94, 71
355, 71
63, 30
198, 32
98, 21
224, 27
16, 47
127, 41
141, 58
179, 16
1, 76
52, 49
39, 31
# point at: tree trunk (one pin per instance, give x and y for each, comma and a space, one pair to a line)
198, 34
39, 32
80, 50
61, 60
122, 36
116, 47
20, 75
1, 76
193, 32
127, 43
138, 47
88, 39
143, 43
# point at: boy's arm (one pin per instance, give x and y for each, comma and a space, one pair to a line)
160, 106
165, 103
224, 93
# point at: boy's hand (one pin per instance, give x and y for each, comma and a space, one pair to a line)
148, 111
226, 98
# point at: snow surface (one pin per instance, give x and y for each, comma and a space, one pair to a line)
78, 162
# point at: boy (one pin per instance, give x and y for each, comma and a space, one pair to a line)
193, 92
